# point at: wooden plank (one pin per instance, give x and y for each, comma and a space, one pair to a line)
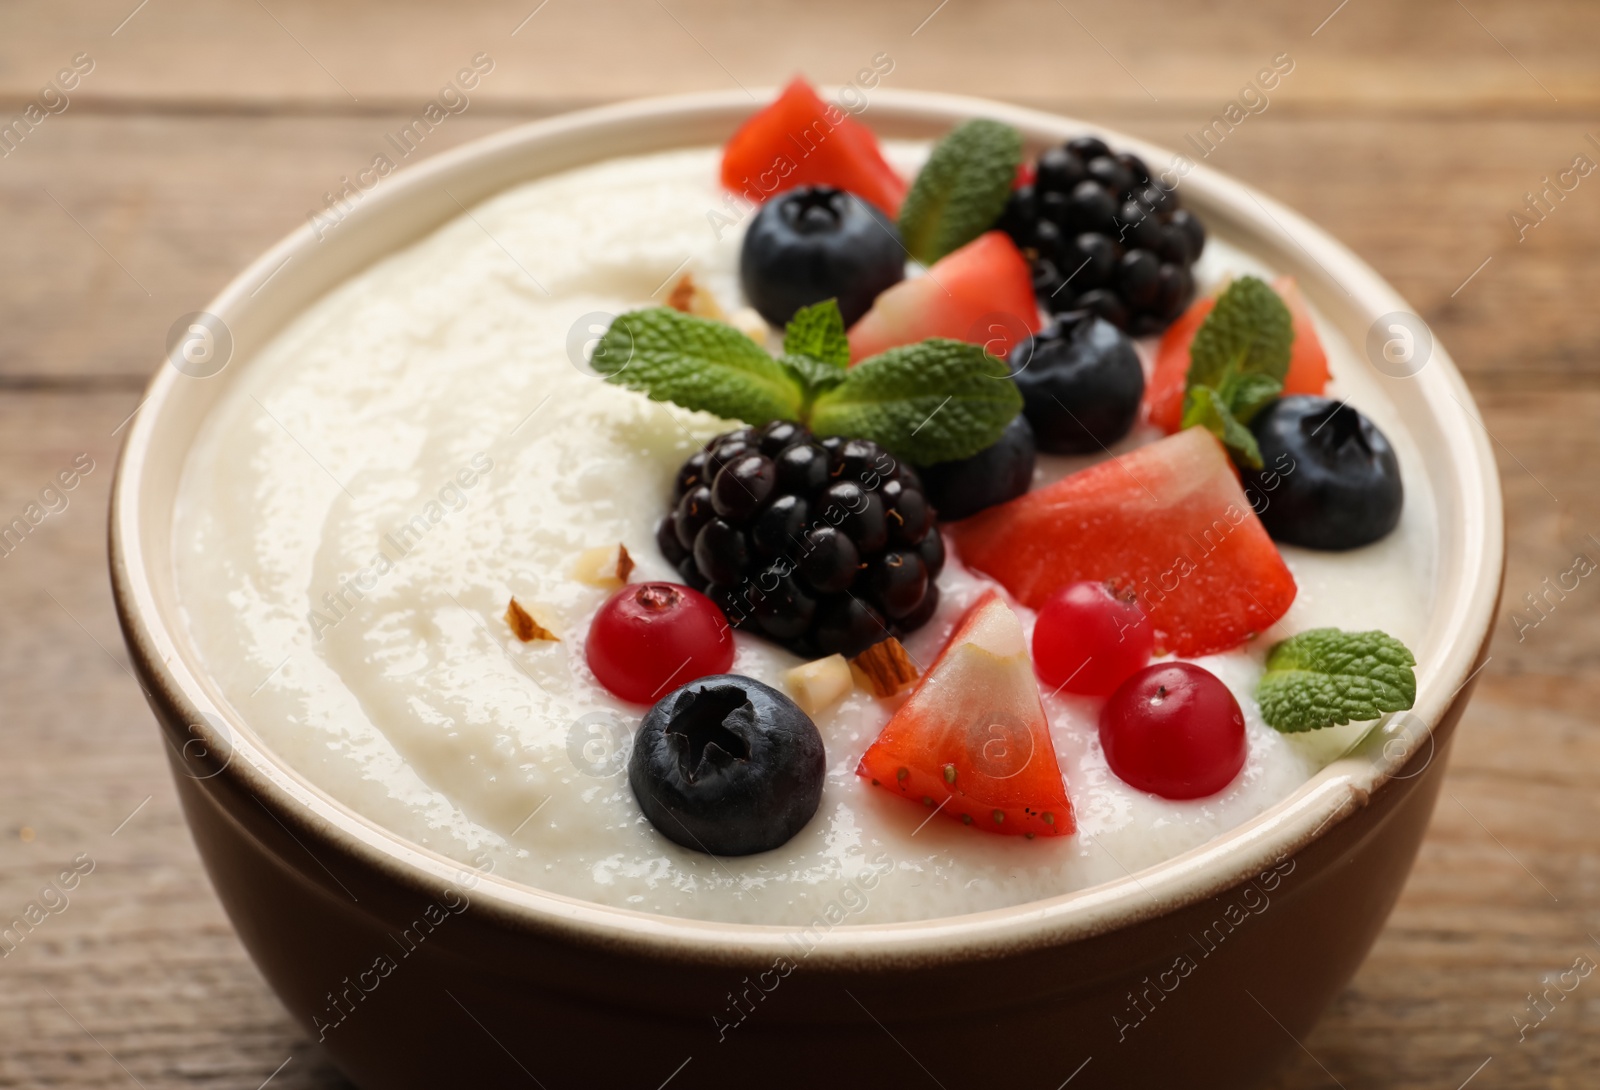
123, 223
1434, 54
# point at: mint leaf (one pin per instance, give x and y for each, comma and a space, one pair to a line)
1247, 395
934, 401
1327, 677
961, 189
1207, 408
697, 363
814, 375
818, 331
1237, 364
1248, 332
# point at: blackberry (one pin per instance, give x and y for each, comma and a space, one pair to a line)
1104, 236
824, 546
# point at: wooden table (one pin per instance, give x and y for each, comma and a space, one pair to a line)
204, 131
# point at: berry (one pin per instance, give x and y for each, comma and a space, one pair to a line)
900, 581
1081, 384
1135, 274
1308, 362
1174, 730
825, 547
796, 131
1329, 478
743, 485
972, 740
993, 475
1168, 522
727, 766
981, 293
816, 243
1089, 639
648, 635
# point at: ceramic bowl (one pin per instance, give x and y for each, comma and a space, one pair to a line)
415, 973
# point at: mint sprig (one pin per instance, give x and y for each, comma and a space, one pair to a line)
935, 401
961, 190
1237, 364
697, 363
1327, 677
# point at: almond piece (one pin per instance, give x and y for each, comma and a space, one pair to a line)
819, 685
690, 298
525, 627
605, 566
887, 668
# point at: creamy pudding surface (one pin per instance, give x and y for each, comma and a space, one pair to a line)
424, 443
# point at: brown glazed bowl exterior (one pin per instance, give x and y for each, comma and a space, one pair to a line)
415, 971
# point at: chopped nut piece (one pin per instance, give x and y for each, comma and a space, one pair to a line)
886, 667
691, 298
605, 566
818, 686
526, 628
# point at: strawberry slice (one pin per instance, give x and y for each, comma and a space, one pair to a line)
1168, 522
972, 741
981, 293
1163, 394
802, 140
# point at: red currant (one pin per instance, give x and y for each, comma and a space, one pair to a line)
650, 638
1088, 639
1174, 730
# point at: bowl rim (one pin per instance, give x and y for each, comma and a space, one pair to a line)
159, 648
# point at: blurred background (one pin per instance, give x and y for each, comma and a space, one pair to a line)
171, 141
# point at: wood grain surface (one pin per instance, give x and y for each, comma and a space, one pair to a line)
205, 131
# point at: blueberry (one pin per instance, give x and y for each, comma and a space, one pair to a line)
998, 473
1329, 478
727, 766
814, 243
1081, 383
